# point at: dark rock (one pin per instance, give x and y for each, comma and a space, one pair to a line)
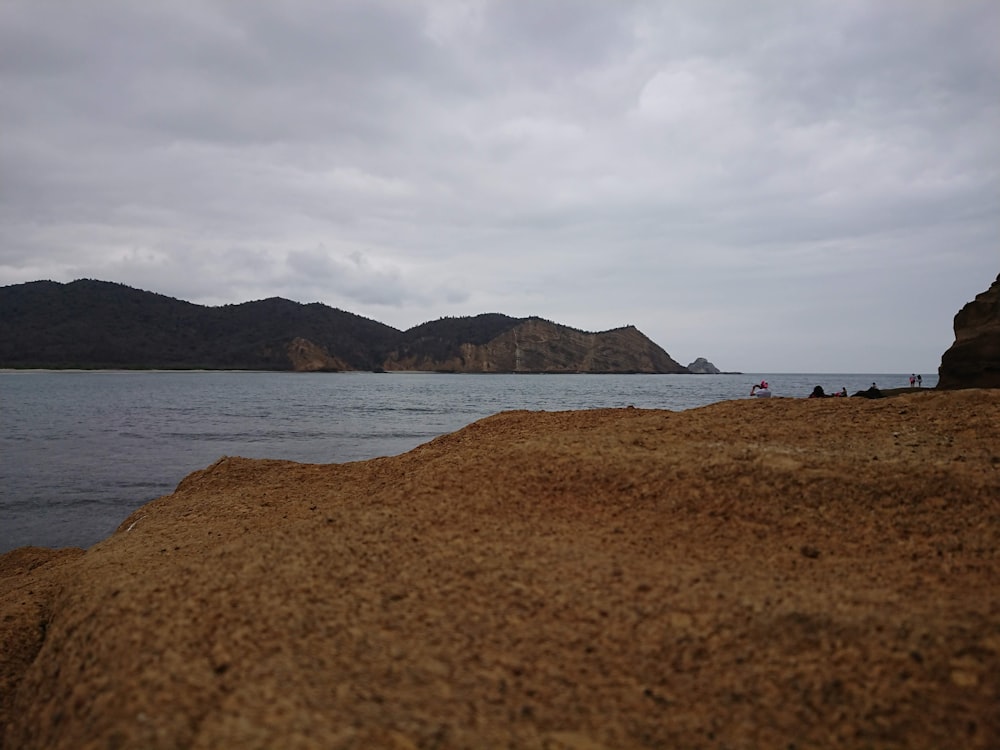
872, 392
973, 361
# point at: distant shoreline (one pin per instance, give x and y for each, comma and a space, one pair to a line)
770, 373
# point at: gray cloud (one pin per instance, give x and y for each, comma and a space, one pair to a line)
776, 185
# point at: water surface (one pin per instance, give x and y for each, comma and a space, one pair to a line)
79, 451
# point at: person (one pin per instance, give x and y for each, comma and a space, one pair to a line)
920, 382
761, 390
913, 380
818, 392
843, 392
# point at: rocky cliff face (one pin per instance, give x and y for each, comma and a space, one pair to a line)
306, 356
541, 346
973, 361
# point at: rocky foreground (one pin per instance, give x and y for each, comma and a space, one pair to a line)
769, 573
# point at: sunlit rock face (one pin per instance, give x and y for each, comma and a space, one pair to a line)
973, 361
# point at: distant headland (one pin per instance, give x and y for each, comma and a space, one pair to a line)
90, 324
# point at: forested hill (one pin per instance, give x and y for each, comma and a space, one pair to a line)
97, 324
103, 325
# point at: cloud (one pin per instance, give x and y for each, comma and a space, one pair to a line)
733, 178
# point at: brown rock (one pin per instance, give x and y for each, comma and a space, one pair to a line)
973, 361
306, 356
610, 578
29, 581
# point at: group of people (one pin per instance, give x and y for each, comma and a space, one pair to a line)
872, 392
818, 392
763, 390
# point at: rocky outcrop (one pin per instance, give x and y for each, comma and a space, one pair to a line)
973, 361
536, 345
755, 573
306, 356
702, 366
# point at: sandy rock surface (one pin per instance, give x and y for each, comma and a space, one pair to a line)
755, 574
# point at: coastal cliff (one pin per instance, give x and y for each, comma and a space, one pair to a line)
762, 573
973, 361
535, 346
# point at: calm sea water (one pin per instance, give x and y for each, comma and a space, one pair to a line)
79, 451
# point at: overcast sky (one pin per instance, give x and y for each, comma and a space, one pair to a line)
777, 186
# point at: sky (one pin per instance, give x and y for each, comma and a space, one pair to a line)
777, 186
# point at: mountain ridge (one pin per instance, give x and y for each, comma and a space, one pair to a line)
93, 324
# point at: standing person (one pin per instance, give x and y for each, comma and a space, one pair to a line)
913, 380
920, 382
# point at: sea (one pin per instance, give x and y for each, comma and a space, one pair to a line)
81, 450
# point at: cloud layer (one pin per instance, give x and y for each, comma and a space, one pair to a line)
777, 186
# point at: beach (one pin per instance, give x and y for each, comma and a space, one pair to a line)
755, 573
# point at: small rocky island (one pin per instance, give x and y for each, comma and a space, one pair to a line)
702, 366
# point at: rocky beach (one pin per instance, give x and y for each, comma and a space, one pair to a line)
755, 573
